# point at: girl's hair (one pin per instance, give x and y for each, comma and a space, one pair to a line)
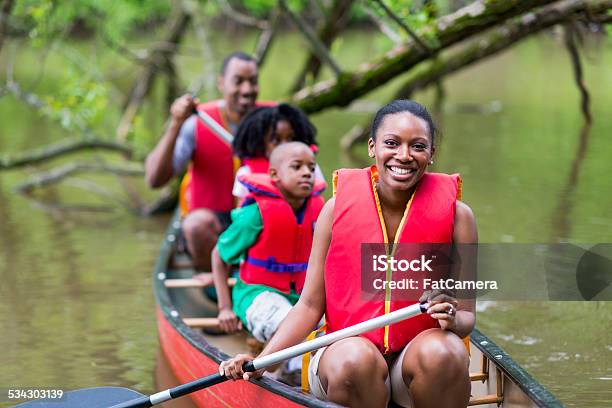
250, 136
404, 105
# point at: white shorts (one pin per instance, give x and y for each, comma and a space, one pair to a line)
395, 382
265, 314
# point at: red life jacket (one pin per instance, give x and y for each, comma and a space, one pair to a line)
257, 164
358, 219
279, 257
212, 171
213, 167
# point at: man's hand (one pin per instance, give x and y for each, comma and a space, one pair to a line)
182, 108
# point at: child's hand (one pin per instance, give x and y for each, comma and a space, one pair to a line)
205, 277
228, 321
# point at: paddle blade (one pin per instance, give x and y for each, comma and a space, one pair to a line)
99, 397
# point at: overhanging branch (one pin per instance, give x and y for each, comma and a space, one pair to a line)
317, 47
444, 32
50, 152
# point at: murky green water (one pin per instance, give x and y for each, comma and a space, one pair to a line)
76, 307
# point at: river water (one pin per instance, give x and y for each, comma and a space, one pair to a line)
76, 306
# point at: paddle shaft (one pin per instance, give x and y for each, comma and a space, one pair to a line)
214, 126
359, 328
277, 357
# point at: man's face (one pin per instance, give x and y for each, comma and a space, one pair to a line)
239, 87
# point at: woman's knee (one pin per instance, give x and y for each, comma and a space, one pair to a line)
439, 353
351, 362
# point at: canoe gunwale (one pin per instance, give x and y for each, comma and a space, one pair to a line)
197, 341
531, 387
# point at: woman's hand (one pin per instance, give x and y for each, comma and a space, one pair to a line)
228, 321
232, 368
442, 307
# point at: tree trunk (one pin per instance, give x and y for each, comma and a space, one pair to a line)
5, 13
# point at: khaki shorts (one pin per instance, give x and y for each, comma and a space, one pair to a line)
395, 382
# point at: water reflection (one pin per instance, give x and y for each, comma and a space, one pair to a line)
164, 379
561, 218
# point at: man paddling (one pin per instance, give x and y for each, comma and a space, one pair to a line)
211, 174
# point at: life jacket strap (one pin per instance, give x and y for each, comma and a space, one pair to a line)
271, 265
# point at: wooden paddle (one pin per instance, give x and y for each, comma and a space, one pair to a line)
144, 401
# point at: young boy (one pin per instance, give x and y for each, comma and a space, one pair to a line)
270, 236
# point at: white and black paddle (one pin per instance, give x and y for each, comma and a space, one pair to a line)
105, 397
214, 126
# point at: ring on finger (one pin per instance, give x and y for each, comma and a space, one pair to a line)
451, 311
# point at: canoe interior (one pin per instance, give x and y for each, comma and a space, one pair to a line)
495, 376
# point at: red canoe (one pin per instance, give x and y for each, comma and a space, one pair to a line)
497, 380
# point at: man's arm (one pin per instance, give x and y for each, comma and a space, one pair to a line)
158, 165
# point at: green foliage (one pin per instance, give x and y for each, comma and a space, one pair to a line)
46, 19
416, 16
262, 8
80, 103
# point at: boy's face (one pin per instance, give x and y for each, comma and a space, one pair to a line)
294, 176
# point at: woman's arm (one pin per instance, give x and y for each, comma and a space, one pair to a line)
463, 318
309, 309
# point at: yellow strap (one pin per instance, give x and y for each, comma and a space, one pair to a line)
466, 341
306, 359
184, 192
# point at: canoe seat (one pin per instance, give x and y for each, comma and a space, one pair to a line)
483, 376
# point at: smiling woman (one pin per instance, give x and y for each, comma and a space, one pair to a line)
394, 201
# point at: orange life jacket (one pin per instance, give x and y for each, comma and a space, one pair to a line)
279, 257
358, 219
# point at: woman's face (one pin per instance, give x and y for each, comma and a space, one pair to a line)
282, 134
402, 150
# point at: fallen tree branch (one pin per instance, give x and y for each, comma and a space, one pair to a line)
53, 151
316, 46
404, 26
334, 23
382, 26
60, 173
5, 12
497, 40
158, 57
569, 35
264, 42
207, 80
244, 19
444, 32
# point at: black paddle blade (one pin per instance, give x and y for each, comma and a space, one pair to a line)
99, 397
